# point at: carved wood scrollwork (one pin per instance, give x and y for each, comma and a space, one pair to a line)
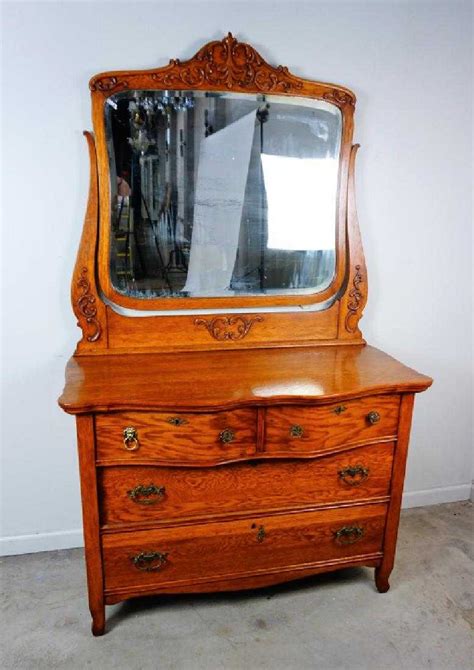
226, 62
355, 299
86, 304
339, 97
231, 328
231, 63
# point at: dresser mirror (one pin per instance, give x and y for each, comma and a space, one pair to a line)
218, 193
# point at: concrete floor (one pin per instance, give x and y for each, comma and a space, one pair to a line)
326, 622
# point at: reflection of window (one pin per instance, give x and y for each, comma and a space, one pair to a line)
301, 196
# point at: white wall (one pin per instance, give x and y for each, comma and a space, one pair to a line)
408, 63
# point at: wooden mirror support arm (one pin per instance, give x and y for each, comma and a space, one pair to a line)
86, 302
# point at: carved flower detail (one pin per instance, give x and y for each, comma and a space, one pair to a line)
232, 328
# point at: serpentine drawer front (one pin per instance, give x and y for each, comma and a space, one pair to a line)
293, 429
251, 546
144, 494
176, 437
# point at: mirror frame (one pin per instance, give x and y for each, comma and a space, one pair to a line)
231, 66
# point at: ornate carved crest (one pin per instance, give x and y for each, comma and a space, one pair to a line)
230, 63
355, 299
227, 62
228, 327
86, 304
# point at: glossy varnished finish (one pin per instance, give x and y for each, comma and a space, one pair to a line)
247, 547
211, 380
197, 439
299, 429
250, 488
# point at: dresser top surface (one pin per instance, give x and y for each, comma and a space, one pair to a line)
197, 381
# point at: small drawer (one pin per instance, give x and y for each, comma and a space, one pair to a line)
300, 429
183, 555
166, 437
141, 494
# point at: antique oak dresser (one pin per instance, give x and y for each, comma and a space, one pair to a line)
234, 429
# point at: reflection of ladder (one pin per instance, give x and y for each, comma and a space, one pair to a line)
124, 257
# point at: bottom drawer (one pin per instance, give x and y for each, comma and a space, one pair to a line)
207, 552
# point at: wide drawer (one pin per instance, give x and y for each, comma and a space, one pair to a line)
186, 554
181, 438
293, 429
139, 494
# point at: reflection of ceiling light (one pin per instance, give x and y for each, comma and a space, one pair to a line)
303, 387
141, 142
162, 103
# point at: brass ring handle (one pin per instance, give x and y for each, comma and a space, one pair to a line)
149, 561
354, 475
296, 431
348, 534
146, 495
373, 417
227, 435
130, 439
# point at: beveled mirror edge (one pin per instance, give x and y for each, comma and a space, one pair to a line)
114, 332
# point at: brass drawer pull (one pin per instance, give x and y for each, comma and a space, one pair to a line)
354, 475
177, 421
348, 534
373, 417
130, 439
146, 495
339, 409
296, 431
149, 561
261, 532
227, 435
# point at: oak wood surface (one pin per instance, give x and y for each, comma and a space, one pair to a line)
243, 547
198, 439
238, 582
327, 426
250, 488
90, 519
382, 573
212, 380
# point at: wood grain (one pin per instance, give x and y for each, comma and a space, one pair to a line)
329, 425
196, 441
382, 573
203, 381
232, 548
90, 520
251, 488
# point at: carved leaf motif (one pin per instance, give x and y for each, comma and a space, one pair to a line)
228, 327
339, 97
355, 295
226, 62
107, 84
87, 307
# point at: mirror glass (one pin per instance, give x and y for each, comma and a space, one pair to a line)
219, 194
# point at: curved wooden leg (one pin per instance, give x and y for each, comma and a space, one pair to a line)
381, 580
98, 621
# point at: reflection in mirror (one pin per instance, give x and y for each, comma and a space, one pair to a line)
217, 194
